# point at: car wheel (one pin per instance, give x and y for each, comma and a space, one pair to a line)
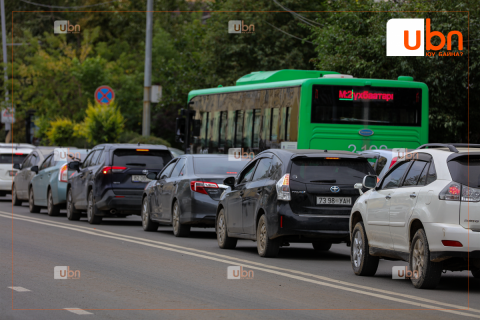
147, 223
31, 203
266, 247
321, 246
363, 263
425, 273
224, 241
72, 213
179, 230
16, 202
52, 209
92, 210
476, 273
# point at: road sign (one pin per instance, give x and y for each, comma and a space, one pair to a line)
8, 115
104, 95
156, 94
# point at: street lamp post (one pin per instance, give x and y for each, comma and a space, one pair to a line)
148, 71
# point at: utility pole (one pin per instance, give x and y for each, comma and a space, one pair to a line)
4, 49
148, 71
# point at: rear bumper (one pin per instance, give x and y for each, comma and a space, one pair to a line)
6, 185
308, 227
126, 204
201, 210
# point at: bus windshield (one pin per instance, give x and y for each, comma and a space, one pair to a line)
367, 105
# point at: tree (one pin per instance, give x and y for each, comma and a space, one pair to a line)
102, 124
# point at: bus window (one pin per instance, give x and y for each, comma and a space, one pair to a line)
275, 119
223, 130
213, 132
266, 124
287, 120
257, 121
247, 130
231, 129
203, 132
282, 123
239, 129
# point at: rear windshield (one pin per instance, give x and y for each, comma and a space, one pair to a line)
17, 157
217, 166
141, 158
461, 173
341, 171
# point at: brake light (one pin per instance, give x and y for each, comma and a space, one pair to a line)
63, 175
394, 160
199, 186
231, 172
451, 192
18, 154
452, 243
106, 170
283, 188
143, 150
332, 158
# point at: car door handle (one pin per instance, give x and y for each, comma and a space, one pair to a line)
388, 197
413, 195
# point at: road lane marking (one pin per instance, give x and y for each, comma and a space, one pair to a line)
78, 311
249, 264
19, 289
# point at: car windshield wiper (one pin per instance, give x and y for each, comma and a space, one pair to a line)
136, 164
332, 181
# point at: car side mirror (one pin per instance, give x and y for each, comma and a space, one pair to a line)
17, 166
359, 187
152, 176
230, 181
74, 165
370, 182
34, 169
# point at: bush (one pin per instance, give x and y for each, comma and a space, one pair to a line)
149, 140
61, 132
127, 136
102, 124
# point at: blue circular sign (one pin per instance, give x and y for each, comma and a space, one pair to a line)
365, 132
104, 95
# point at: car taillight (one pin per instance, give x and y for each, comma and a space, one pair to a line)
394, 160
199, 186
63, 175
107, 170
283, 188
456, 192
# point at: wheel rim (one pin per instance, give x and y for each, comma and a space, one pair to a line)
221, 228
176, 218
418, 257
357, 249
145, 214
69, 204
90, 206
263, 236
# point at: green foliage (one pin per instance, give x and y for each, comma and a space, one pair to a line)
61, 132
127, 136
102, 124
150, 140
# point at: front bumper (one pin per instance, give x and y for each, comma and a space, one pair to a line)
129, 204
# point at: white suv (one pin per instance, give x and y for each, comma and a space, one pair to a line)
425, 210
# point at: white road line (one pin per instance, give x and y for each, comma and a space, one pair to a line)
78, 311
250, 264
19, 289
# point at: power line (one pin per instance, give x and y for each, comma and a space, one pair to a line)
298, 16
288, 34
60, 7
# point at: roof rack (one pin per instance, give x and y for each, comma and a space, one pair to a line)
450, 146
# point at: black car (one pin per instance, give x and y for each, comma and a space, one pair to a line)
111, 179
186, 192
286, 196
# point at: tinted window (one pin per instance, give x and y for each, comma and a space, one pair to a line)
320, 170
217, 165
432, 174
178, 168
459, 169
414, 173
45, 163
276, 168
16, 158
247, 173
392, 180
166, 173
381, 162
263, 169
141, 158
423, 176
96, 157
86, 163
27, 161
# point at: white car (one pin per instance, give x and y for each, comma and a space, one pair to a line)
383, 159
425, 210
7, 172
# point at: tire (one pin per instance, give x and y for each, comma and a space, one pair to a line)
16, 202
363, 264
31, 202
72, 213
429, 273
52, 209
266, 247
147, 223
92, 216
321, 246
179, 230
224, 241
476, 273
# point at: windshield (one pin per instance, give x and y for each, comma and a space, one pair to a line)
217, 165
141, 158
17, 157
371, 105
320, 170
464, 172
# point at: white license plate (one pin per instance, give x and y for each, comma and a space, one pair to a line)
140, 178
334, 200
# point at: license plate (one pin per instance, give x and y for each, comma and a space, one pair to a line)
334, 200
140, 178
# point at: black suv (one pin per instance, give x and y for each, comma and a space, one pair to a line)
111, 179
285, 196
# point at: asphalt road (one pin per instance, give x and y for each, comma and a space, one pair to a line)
126, 273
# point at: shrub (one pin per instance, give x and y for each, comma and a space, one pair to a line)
61, 132
149, 140
102, 124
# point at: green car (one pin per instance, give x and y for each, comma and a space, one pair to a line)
48, 188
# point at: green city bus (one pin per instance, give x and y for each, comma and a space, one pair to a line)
304, 109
